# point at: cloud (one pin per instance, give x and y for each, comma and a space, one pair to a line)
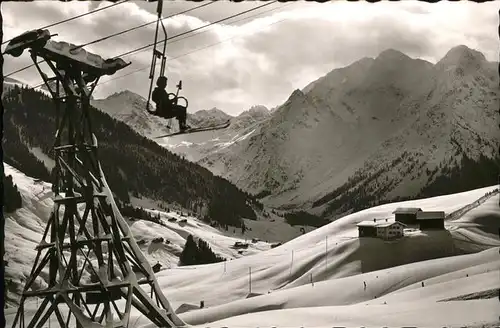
262, 59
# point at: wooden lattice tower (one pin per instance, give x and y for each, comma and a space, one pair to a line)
96, 271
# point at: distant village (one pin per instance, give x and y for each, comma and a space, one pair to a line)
393, 228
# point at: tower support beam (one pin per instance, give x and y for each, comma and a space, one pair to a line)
86, 254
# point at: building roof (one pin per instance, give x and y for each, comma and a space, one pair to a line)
428, 215
407, 210
381, 223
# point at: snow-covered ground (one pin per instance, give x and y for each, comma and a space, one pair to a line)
9, 84
317, 279
25, 228
271, 228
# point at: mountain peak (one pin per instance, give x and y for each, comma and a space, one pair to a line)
210, 116
211, 112
392, 54
297, 93
214, 110
258, 109
462, 55
127, 95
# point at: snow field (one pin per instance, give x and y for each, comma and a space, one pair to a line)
331, 257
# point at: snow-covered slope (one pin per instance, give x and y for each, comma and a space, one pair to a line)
212, 116
330, 258
25, 227
9, 83
195, 147
361, 119
130, 108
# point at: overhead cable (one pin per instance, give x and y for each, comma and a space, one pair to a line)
75, 17
107, 37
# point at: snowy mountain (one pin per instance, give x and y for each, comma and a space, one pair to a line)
377, 125
208, 117
37, 198
130, 108
9, 83
137, 168
197, 146
403, 278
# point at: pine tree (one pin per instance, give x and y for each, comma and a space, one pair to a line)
189, 253
198, 254
12, 197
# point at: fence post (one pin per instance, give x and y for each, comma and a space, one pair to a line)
326, 253
250, 280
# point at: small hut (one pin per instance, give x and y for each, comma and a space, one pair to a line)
431, 220
406, 215
156, 267
383, 228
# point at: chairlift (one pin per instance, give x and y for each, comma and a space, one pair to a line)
161, 55
172, 97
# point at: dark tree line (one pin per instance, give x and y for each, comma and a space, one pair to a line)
200, 253
131, 163
467, 175
470, 174
306, 219
222, 225
136, 212
11, 197
16, 141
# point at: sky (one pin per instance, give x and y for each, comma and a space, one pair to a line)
258, 58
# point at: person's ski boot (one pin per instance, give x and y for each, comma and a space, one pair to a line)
184, 127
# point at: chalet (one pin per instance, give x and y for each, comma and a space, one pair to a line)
383, 229
367, 228
275, 245
158, 240
406, 215
240, 244
156, 267
431, 220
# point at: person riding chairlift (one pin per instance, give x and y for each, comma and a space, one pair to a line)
165, 107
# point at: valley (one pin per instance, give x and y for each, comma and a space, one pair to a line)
378, 139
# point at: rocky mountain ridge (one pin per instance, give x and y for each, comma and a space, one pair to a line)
382, 121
